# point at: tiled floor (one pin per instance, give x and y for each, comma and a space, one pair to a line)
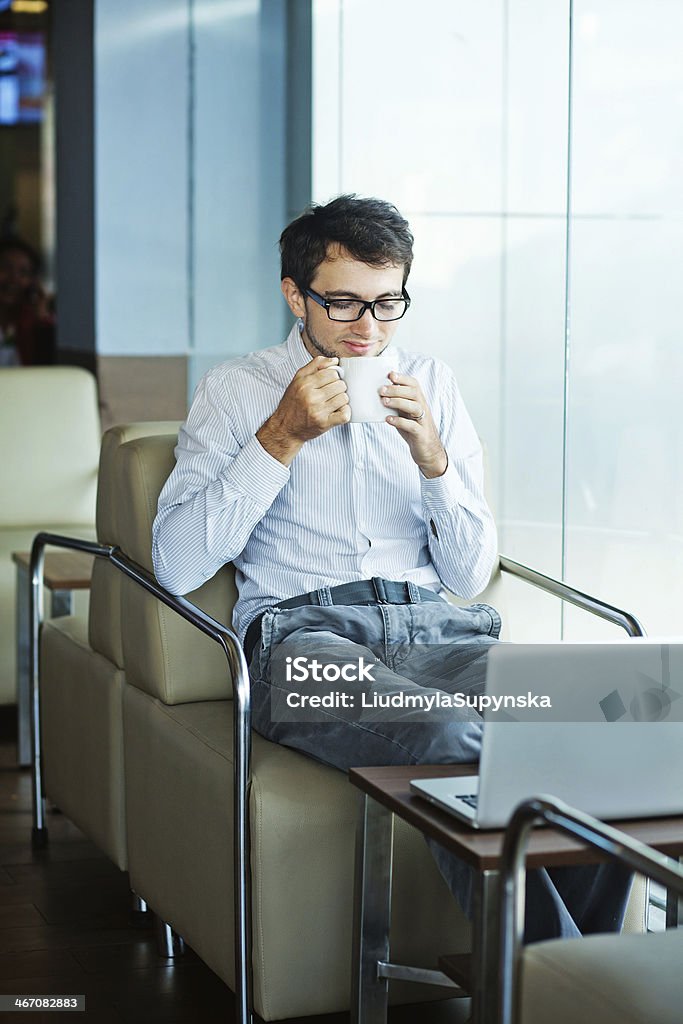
66, 928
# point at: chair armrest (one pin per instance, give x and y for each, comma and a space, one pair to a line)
218, 632
615, 844
562, 590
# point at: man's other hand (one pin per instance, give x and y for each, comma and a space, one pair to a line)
315, 401
414, 421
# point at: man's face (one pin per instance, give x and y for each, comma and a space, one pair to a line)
16, 276
340, 276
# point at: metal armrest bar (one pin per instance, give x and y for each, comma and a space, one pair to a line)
546, 809
36, 569
234, 654
420, 975
576, 597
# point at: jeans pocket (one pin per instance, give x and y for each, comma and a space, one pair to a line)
259, 667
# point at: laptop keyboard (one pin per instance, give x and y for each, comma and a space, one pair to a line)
471, 801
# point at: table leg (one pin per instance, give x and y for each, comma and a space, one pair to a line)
485, 948
372, 912
23, 641
61, 603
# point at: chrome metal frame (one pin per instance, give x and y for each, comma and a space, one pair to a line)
371, 912
576, 597
170, 945
547, 810
485, 945
36, 568
61, 603
237, 665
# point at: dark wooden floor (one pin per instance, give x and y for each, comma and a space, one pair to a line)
67, 927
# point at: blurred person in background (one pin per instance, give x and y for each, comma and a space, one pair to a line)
27, 324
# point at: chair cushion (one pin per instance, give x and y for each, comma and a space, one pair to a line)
107, 529
49, 471
604, 979
83, 734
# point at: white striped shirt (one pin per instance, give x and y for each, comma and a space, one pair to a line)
351, 506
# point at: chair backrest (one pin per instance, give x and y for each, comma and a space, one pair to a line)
162, 653
49, 422
105, 592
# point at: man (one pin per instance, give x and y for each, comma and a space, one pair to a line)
344, 535
26, 321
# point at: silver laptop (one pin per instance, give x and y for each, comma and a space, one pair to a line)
610, 744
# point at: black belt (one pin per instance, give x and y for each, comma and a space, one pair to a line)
374, 591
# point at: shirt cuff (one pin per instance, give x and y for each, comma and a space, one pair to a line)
442, 493
257, 474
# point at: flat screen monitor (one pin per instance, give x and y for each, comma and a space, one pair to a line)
22, 77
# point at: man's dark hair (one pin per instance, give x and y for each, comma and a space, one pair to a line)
12, 243
371, 230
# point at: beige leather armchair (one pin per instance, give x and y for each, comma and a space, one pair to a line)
49, 423
601, 979
202, 795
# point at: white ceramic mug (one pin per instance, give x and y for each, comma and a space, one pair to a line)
364, 376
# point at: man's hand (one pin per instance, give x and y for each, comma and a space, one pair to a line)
415, 423
315, 401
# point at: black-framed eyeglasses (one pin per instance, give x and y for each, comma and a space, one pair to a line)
353, 309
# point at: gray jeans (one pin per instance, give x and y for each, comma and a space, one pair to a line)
417, 648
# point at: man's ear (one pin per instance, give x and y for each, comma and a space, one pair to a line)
293, 296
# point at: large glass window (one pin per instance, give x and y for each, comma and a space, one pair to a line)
190, 176
536, 149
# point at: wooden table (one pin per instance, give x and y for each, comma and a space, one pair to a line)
65, 571
386, 791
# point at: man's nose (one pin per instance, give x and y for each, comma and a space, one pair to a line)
365, 326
